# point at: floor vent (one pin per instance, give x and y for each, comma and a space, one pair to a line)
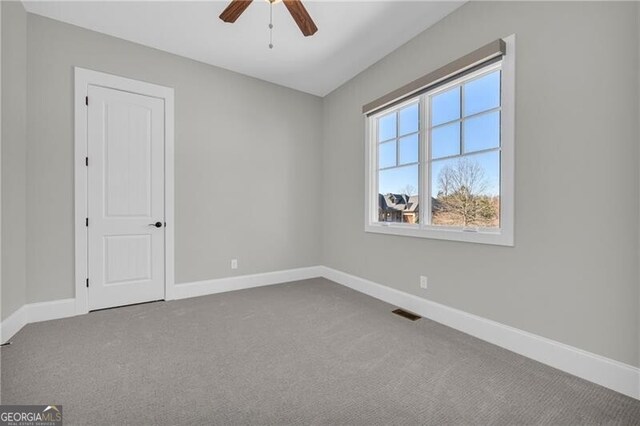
406, 314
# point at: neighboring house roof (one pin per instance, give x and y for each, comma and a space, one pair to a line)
403, 203
398, 202
412, 206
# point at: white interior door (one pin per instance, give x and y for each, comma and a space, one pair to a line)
126, 238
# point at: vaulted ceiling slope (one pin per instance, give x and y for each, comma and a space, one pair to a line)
352, 34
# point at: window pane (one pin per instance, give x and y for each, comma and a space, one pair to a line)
399, 180
387, 154
445, 141
445, 106
482, 94
482, 132
398, 195
466, 191
387, 127
408, 149
409, 119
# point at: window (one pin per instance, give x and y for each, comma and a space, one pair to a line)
440, 164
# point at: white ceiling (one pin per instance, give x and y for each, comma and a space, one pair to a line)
352, 35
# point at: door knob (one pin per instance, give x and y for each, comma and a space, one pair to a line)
157, 224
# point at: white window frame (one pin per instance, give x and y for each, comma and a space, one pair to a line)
504, 235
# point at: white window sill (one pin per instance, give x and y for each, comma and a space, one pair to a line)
499, 238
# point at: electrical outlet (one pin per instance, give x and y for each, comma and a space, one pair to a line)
234, 263
423, 282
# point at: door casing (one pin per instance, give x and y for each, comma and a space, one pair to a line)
83, 79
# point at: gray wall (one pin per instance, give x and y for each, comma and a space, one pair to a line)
573, 274
14, 116
247, 176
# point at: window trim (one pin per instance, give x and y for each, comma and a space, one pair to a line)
504, 235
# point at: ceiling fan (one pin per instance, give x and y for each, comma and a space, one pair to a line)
295, 7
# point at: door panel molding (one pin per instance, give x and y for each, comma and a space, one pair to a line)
83, 79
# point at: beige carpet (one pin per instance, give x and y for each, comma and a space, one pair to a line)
307, 353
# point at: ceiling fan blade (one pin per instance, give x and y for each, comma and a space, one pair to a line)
234, 10
301, 16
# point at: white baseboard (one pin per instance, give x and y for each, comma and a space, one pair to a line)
45, 311
220, 285
13, 323
606, 372
609, 373
36, 312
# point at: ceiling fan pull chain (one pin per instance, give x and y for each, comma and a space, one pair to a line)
271, 24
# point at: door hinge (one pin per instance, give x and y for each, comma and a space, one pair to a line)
86, 100
87, 282
86, 221
86, 161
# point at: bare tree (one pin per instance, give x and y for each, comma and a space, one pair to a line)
461, 193
409, 190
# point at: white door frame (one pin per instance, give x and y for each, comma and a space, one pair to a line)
83, 79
